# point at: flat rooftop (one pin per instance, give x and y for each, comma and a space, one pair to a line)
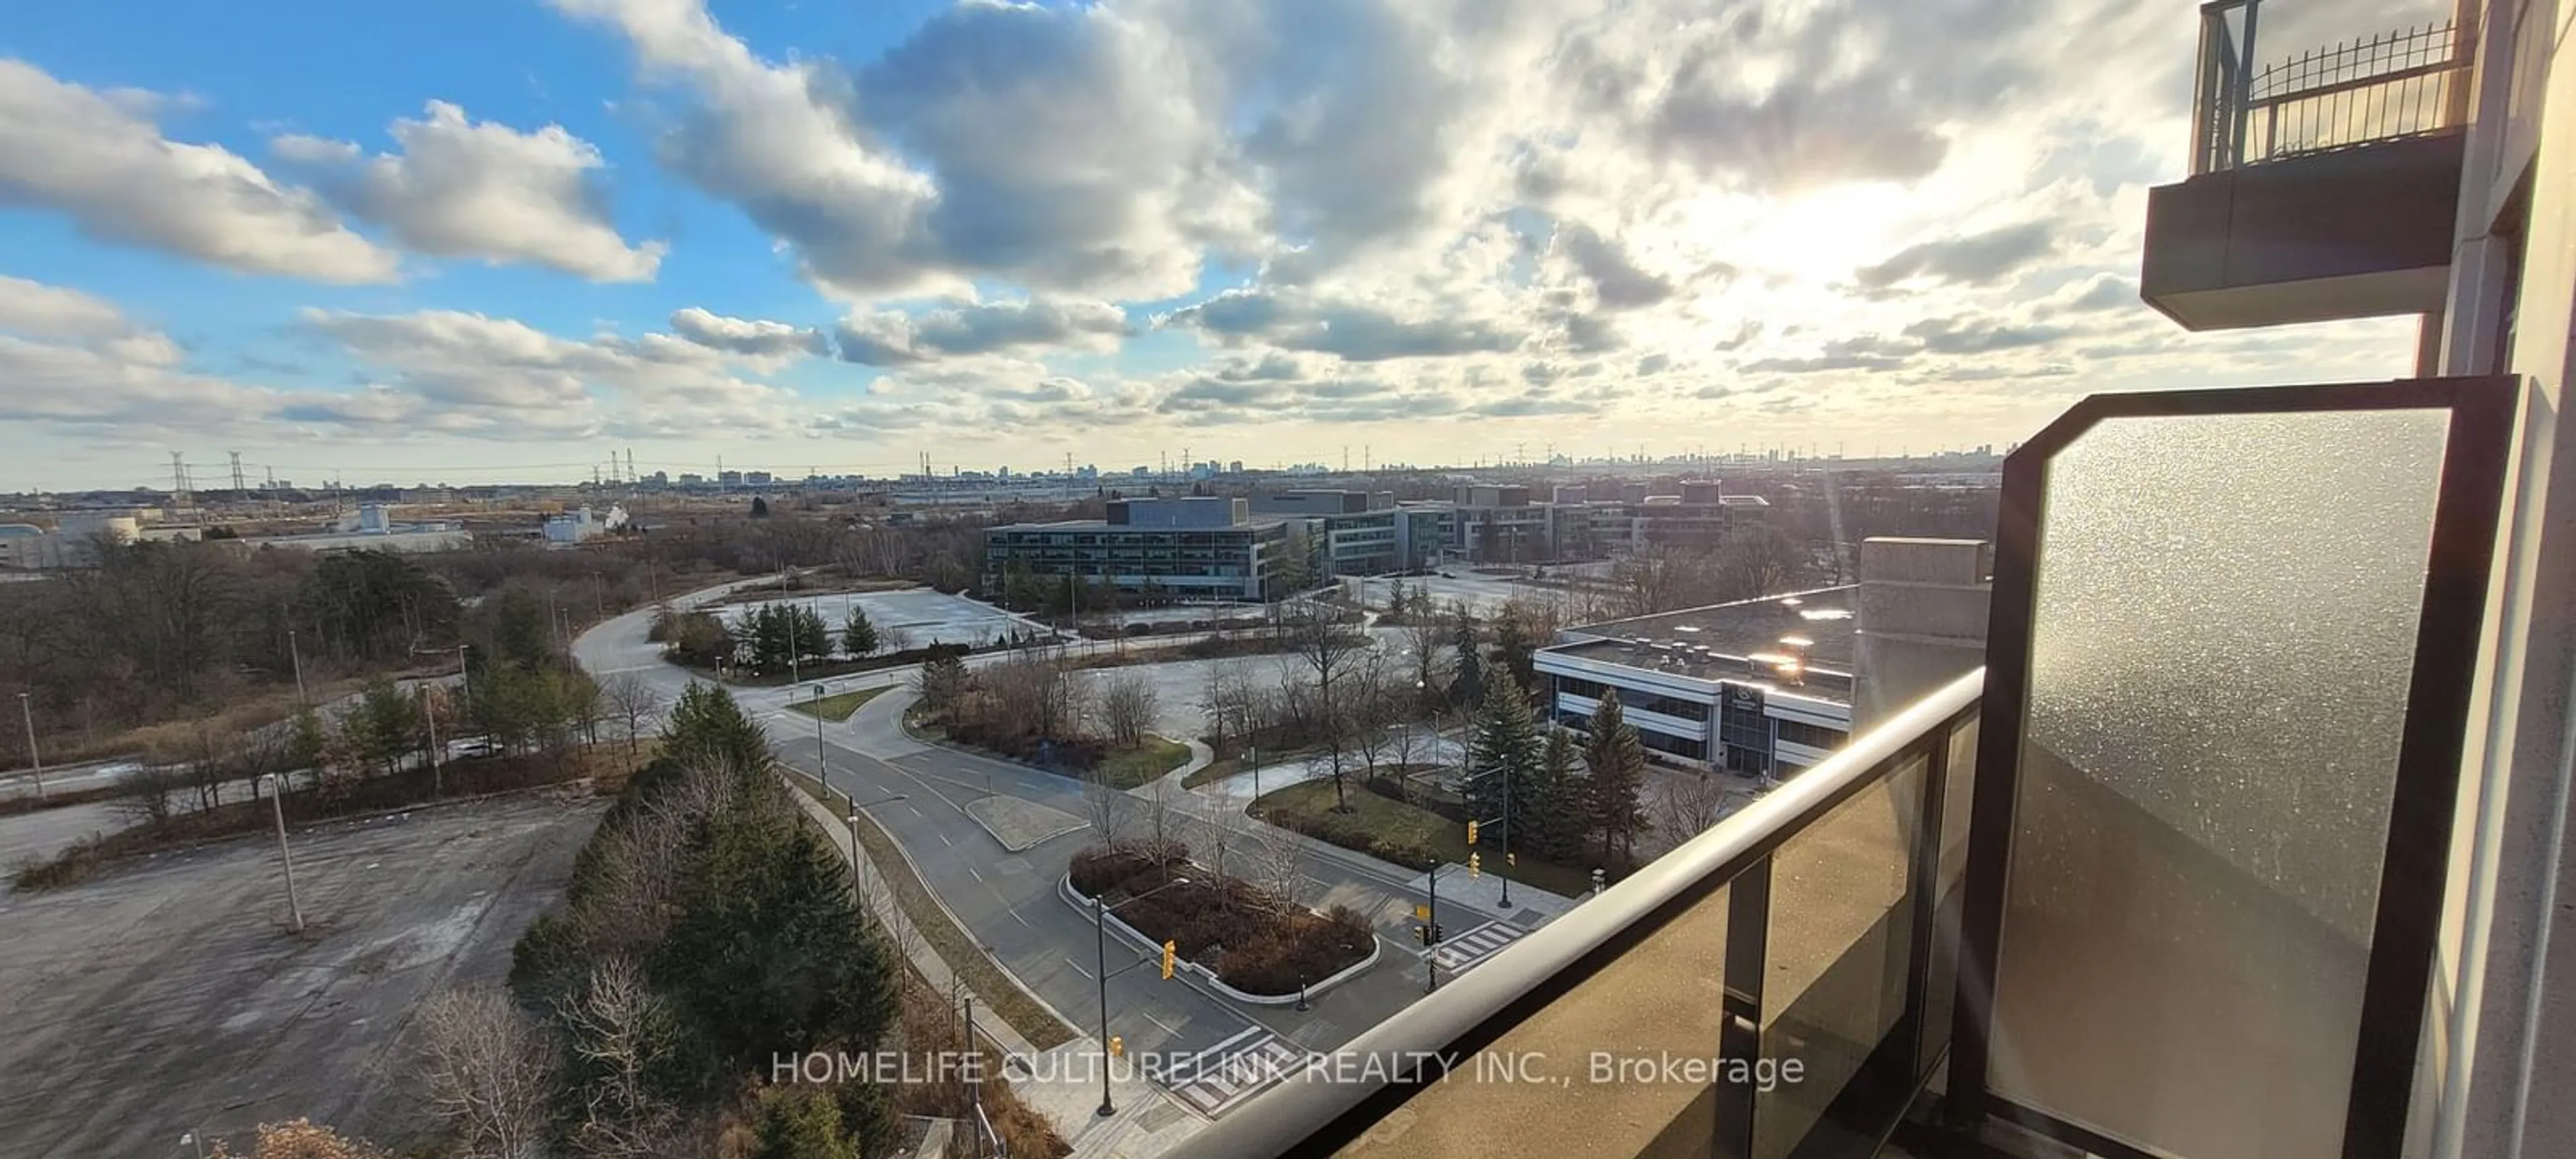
1136, 528
1803, 642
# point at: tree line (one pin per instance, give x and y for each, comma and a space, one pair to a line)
161, 632
706, 930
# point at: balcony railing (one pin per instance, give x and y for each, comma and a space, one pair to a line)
1816, 929
2408, 83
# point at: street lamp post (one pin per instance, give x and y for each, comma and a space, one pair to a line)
1100, 946
429, 714
855, 806
277, 807
34, 759
295, 652
1507, 834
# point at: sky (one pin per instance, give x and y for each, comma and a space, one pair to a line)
502, 240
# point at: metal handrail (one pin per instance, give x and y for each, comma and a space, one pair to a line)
2388, 86
1575, 946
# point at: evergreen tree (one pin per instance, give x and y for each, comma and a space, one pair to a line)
706, 728
1560, 815
520, 632
1398, 600
759, 507
1618, 761
1469, 684
1021, 587
766, 950
385, 727
304, 746
1503, 749
799, 1122
808, 634
1516, 650
859, 635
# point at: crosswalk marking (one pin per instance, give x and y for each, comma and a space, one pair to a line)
1214, 1080
1469, 950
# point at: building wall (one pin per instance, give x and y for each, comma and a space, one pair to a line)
1922, 619
1684, 720
2506, 1013
1213, 563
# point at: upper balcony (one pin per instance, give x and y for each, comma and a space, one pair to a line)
2323, 185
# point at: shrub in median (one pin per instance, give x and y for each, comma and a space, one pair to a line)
1255, 941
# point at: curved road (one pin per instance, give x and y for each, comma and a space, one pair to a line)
1008, 902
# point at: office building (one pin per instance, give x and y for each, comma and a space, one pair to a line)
1761, 688
1185, 548
1358, 528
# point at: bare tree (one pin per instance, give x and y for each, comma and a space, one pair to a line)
1221, 837
1689, 804
1162, 822
1227, 702
1330, 654
1368, 708
1108, 808
487, 1071
614, 1026
143, 796
1407, 745
1126, 705
1424, 636
630, 704
1028, 695
1279, 863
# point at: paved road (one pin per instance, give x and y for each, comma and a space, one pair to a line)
1008, 902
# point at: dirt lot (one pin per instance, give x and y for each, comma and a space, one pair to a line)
169, 995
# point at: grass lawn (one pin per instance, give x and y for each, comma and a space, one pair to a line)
1394, 831
1129, 768
839, 707
951, 943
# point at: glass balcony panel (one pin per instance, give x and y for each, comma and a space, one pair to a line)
2223, 632
1662, 998
1949, 879
1839, 938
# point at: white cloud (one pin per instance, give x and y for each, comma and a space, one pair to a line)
747, 336
97, 158
498, 371
483, 190
37, 310
896, 338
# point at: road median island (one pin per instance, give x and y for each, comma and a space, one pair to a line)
1021, 825
1236, 936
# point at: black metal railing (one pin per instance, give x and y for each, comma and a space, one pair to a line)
1817, 925
2411, 82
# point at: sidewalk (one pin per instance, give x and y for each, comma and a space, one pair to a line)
1201, 756
1062, 1084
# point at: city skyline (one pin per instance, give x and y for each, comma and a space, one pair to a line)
801, 238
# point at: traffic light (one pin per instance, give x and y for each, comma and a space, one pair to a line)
1436, 936
1471, 832
1475, 865
1511, 859
1117, 1046
1422, 934
1171, 951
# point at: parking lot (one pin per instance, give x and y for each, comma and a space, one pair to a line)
169, 995
915, 618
